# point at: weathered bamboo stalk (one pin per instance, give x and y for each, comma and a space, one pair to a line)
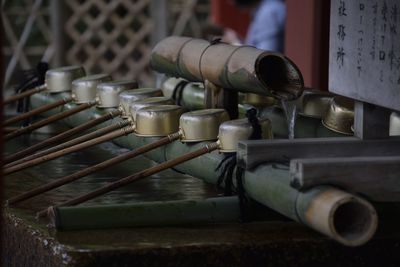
82, 173
78, 140
242, 68
137, 176
29, 92
157, 213
344, 217
118, 133
38, 110
49, 120
62, 136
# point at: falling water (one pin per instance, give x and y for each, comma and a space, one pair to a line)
290, 111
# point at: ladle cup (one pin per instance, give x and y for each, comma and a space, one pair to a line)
108, 95
56, 81
83, 93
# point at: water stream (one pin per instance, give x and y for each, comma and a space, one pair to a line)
291, 112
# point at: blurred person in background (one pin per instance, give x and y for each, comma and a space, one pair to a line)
266, 29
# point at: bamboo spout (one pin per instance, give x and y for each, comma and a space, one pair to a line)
346, 218
62, 136
118, 133
241, 68
37, 111
27, 93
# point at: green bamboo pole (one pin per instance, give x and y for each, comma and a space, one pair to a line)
159, 213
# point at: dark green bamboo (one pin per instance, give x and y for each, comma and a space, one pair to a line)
160, 213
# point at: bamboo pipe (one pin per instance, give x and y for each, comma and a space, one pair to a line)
49, 120
242, 68
345, 217
105, 164
38, 110
156, 213
137, 176
62, 136
81, 139
29, 92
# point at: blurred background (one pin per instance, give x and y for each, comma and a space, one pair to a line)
116, 36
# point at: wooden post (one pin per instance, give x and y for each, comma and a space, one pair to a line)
217, 97
57, 28
159, 14
254, 152
370, 121
375, 177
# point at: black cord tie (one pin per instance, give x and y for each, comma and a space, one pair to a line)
178, 92
243, 200
215, 41
251, 115
225, 173
228, 165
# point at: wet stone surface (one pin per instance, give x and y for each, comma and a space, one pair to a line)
29, 242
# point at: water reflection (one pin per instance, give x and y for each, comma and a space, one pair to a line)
167, 185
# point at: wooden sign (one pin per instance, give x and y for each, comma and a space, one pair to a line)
364, 61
